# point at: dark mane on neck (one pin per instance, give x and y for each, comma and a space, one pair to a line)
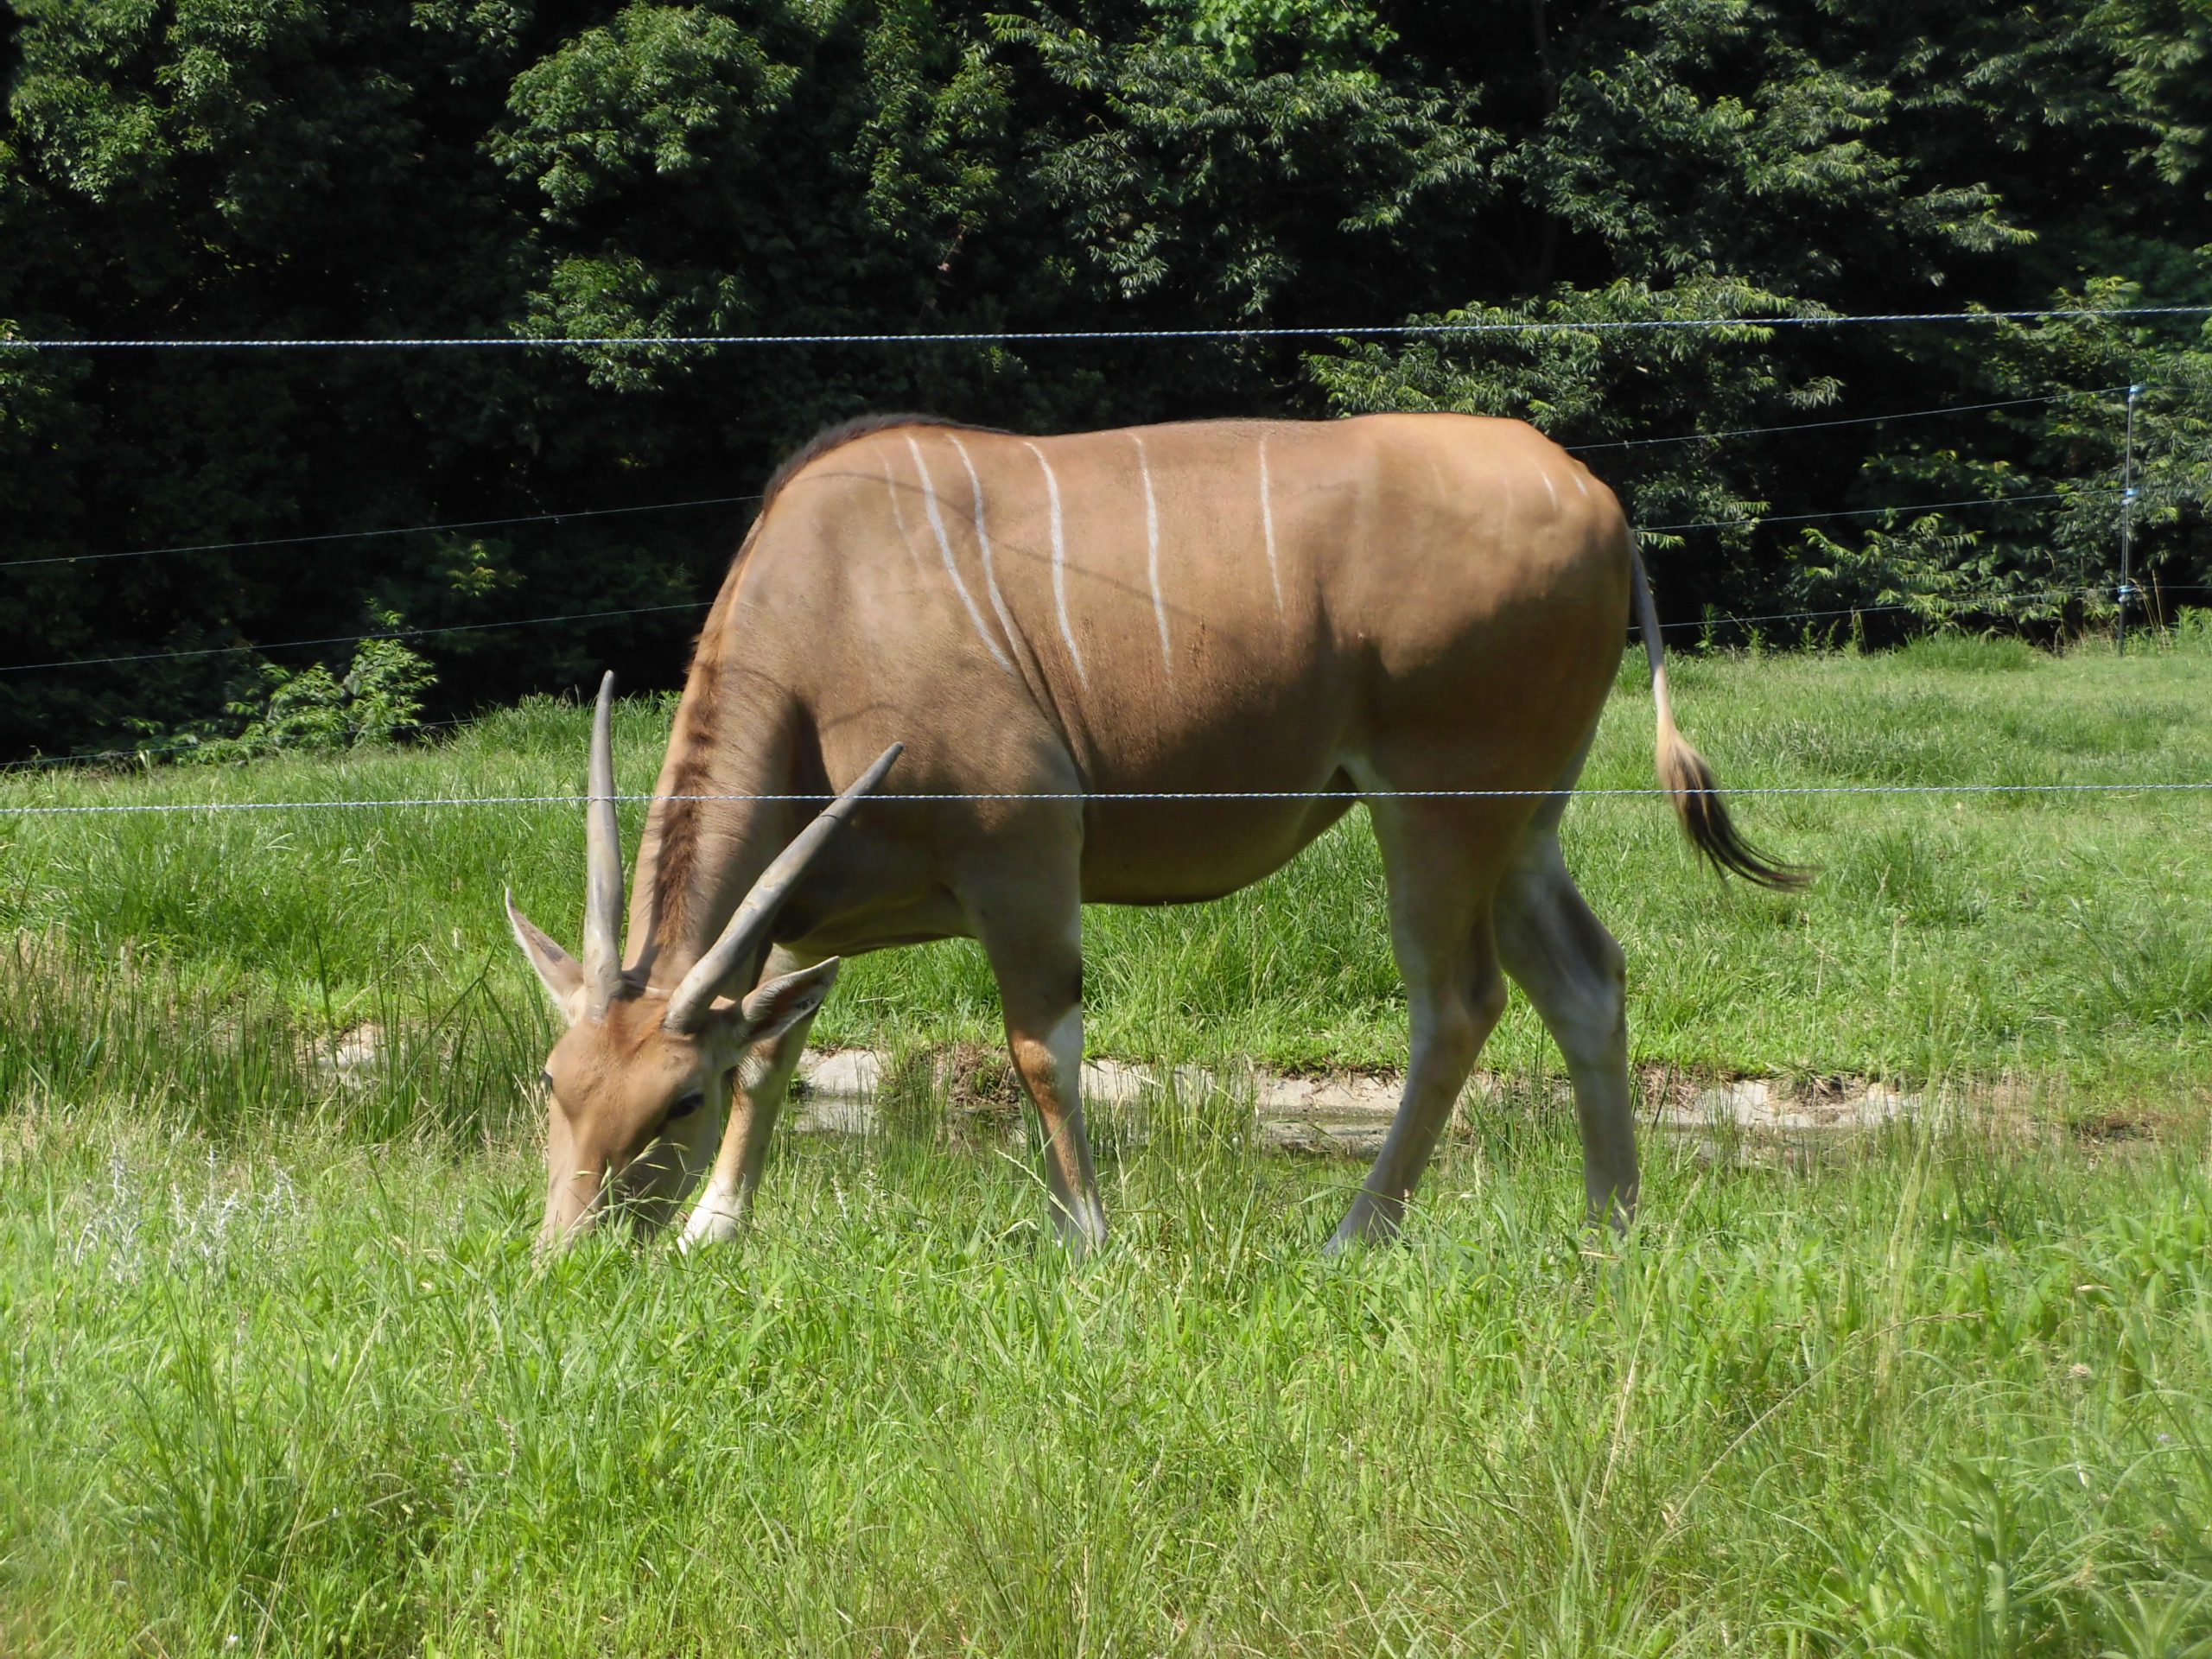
677, 856
836, 436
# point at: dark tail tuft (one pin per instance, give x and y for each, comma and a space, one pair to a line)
1685, 776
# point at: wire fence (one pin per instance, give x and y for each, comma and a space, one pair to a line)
1931, 410
2006, 599
1969, 601
307, 538
1077, 336
1716, 623
438, 630
1751, 521
372, 535
172, 748
1992, 596
1091, 798
359, 638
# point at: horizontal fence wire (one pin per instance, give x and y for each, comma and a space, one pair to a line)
1709, 624
1849, 420
1992, 597
1091, 798
1074, 336
310, 537
429, 631
372, 535
359, 639
1753, 521
170, 748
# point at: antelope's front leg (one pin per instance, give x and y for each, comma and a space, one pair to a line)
1031, 929
1048, 1053
726, 1199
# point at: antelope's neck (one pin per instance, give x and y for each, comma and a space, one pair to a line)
715, 824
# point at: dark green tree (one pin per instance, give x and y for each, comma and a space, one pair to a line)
538, 170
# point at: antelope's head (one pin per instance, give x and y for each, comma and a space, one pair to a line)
639, 1085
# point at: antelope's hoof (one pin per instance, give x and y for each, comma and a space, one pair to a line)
1085, 1231
710, 1224
1366, 1225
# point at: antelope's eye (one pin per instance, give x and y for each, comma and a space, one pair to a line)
685, 1107
546, 1078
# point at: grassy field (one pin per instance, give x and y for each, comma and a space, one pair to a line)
2064, 939
280, 1377
1936, 1395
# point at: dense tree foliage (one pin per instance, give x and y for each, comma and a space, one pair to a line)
552, 169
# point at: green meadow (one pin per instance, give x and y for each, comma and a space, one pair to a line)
281, 1377
2060, 937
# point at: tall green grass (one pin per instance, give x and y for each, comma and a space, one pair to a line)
280, 1377
2061, 937
1934, 1394
444, 1059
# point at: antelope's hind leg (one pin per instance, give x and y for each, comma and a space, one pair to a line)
1441, 871
1560, 953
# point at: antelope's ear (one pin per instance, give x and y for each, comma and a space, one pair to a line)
778, 1006
558, 971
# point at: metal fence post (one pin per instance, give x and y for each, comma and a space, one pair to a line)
2128, 520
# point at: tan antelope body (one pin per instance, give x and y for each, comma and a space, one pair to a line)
1319, 612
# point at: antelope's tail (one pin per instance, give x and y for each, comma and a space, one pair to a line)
1685, 776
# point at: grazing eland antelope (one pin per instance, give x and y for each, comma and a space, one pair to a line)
1059, 632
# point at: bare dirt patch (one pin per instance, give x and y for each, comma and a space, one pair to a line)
1348, 1113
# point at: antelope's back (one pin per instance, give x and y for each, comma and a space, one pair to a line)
1203, 606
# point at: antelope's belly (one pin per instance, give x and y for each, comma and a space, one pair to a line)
1168, 852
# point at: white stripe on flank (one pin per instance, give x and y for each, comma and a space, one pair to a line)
944, 546
1152, 553
1550, 492
898, 516
983, 541
1059, 562
1580, 488
1267, 525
